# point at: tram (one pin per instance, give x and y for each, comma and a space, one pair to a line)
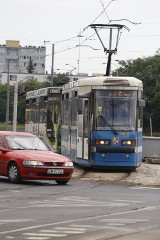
42, 116
102, 121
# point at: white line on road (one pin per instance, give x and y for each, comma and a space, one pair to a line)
70, 228
38, 238
137, 187
130, 201
78, 220
45, 234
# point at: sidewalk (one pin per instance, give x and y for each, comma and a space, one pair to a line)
146, 175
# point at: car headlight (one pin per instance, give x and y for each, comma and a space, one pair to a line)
32, 163
128, 142
68, 164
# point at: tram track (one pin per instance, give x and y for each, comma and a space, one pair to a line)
108, 176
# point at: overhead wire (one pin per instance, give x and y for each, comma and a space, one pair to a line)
84, 29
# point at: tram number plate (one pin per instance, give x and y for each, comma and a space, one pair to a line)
55, 171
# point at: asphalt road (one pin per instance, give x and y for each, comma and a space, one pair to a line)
83, 209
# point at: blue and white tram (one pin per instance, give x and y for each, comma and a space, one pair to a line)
102, 121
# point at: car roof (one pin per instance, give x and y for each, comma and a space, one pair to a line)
12, 133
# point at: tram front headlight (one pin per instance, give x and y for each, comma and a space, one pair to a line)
128, 142
102, 142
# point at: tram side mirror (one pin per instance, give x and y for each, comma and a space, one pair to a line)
79, 105
141, 103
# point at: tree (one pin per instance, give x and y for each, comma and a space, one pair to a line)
3, 103
147, 70
59, 79
3, 92
30, 68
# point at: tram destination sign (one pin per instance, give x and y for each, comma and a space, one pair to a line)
54, 90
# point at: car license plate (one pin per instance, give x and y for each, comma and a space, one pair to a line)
55, 171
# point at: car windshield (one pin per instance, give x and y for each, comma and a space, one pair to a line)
26, 143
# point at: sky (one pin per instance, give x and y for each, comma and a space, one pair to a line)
65, 23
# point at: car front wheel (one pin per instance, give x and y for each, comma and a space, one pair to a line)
14, 173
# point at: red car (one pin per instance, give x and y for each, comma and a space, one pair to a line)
25, 156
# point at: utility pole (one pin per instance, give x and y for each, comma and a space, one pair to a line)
15, 106
52, 68
8, 93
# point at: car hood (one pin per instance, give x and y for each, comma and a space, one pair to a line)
48, 156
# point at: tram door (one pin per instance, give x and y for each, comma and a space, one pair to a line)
83, 132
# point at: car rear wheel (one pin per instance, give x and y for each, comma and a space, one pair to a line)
61, 182
14, 173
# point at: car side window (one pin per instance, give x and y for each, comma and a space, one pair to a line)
1, 142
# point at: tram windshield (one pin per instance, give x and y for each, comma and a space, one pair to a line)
115, 109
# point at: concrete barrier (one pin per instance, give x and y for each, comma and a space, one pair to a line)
151, 149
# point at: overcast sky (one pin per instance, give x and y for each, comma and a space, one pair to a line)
33, 21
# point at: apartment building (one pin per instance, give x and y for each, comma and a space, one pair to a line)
14, 58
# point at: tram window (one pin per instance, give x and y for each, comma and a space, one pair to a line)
75, 93
79, 105
34, 100
65, 112
33, 116
67, 95
45, 98
86, 119
74, 111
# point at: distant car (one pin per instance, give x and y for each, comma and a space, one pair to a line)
25, 156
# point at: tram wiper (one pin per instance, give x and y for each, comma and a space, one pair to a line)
108, 124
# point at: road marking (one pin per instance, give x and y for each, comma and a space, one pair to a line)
80, 229
121, 221
76, 220
73, 228
75, 201
138, 187
87, 226
15, 220
45, 234
38, 238
130, 201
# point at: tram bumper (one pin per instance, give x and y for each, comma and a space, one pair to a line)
109, 149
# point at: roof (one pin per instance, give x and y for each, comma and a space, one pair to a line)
110, 81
